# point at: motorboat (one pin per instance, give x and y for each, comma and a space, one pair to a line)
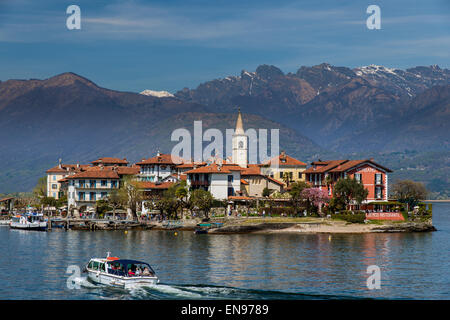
123, 273
29, 221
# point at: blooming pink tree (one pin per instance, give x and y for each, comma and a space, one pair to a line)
316, 197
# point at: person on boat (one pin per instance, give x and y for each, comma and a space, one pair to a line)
130, 272
138, 271
146, 272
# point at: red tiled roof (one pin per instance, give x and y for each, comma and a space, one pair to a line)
162, 159
128, 170
110, 160
64, 168
252, 169
96, 172
340, 165
191, 165
275, 180
324, 166
215, 168
284, 160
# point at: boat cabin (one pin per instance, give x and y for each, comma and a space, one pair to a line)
121, 267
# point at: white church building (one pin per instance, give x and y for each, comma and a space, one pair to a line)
223, 178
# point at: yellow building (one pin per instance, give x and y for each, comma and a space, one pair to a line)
284, 167
56, 175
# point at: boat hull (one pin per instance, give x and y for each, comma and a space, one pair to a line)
120, 281
29, 226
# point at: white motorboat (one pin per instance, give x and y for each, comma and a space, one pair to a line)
123, 273
5, 222
29, 221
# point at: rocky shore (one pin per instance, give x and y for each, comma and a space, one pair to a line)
267, 225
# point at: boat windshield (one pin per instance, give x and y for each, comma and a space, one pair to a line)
130, 268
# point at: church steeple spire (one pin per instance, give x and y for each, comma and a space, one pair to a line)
239, 124
239, 143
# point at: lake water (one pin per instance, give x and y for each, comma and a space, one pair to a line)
33, 265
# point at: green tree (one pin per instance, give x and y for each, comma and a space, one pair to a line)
348, 189
40, 190
266, 192
131, 194
203, 200
296, 193
409, 192
116, 200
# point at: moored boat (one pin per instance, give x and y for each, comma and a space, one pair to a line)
29, 221
123, 273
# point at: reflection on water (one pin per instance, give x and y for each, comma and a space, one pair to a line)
277, 266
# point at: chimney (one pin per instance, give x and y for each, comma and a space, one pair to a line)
371, 159
59, 163
78, 165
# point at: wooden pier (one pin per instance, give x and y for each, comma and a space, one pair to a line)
96, 224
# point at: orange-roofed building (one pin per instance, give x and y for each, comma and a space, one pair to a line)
221, 180
374, 177
283, 165
56, 185
108, 161
159, 167
95, 183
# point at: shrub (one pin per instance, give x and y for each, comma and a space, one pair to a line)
358, 217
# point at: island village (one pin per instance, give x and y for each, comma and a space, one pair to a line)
173, 190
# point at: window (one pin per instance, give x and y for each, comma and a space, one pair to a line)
104, 195
102, 267
95, 265
113, 184
230, 191
92, 183
378, 193
290, 175
241, 144
92, 196
230, 178
378, 178
299, 175
80, 195
104, 182
81, 183
281, 175
54, 178
54, 194
358, 177
54, 186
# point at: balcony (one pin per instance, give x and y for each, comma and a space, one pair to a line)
200, 183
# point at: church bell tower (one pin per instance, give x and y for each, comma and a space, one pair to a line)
240, 143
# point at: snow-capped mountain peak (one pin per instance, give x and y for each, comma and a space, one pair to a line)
158, 94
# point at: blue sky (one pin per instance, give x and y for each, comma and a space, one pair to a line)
168, 45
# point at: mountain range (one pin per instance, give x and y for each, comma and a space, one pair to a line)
398, 116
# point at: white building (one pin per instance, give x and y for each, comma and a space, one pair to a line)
95, 183
56, 175
222, 181
240, 144
158, 168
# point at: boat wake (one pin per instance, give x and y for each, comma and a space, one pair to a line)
200, 292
